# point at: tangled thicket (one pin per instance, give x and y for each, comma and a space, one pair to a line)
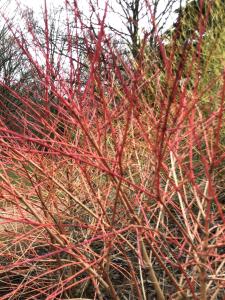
112, 166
